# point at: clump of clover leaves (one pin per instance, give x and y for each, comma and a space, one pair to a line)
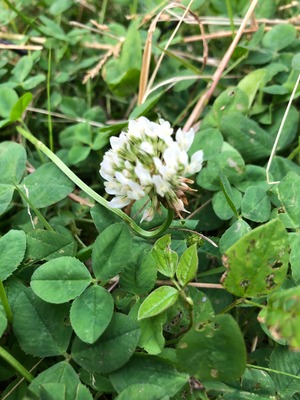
180, 274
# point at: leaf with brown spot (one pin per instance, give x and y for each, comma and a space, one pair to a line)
213, 350
257, 263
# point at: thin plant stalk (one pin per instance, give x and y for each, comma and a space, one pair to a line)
99, 199
5, 303
203, 101
51, 144
274, 371
280, 131
18, 367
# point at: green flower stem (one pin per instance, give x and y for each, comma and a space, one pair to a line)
99, 199
274, 371
16, 365
5, 303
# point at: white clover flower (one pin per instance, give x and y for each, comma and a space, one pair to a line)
147, 161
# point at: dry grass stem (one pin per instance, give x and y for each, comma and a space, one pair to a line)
65, 117
114, 51
217, 35
290, 5
16, 36
145, 85
20, 47
280, 131
80, 200
210, 61
225, 21
97, 46
172, 81
195, 114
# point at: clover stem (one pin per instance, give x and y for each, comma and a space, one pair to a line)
16, 365
5, 303
99, 199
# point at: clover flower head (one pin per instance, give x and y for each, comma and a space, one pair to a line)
147, 160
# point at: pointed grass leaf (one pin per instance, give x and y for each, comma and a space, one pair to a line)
256, 205
282, 316
289, 196
139, 277
46, 186
39, 326
91, 313
60, 280
226, 206
165, 258
144, 108
158, 301
229, 194
12, 250
145, 391
20, 106
12, 162
60, 373
257, 263
111, 251
213, 350
188, 265
112, 350
45, 245
142, 369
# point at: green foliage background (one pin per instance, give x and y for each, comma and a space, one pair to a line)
89, 308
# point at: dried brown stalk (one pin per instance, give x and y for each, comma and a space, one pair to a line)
195, 114
114, 51
20, 47
145, 85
